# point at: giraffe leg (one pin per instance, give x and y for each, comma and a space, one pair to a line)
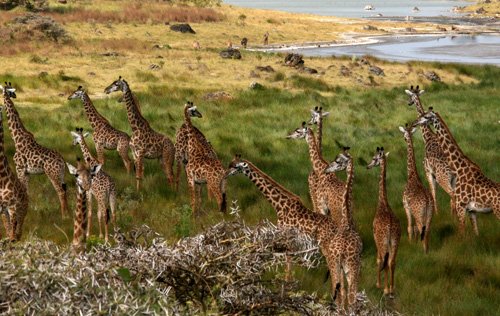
461, 213
21, 214
123, 148
167, 163
102, 217
409, 218
288, 268
89, 213
352, 283
427, 228
335, 275
112, 205
60, 187
22, 173
432, 186
178, 175
473, 220
139, 169
380, 265
100, 153
6, 222
192, 191
13, 223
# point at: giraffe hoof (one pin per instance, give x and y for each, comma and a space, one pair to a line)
387, 292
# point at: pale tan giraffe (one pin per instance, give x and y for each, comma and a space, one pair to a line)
386, 227
103, 189
435, 163
33, 158
181, 140
329, 189
145, 142
105, 136
342, 253
417, 200
13, 195
83, 177
474, 192
202, 167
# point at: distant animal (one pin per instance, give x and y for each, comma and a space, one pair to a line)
415, 9
196, 45
266, 38
244, 42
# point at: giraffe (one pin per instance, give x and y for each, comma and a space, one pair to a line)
181, 139
84, 175
145, 142
13, 195
105, 136
386, 227
33, 158
435, 163
103, 189
341, 253
329, 189
203, 166
417, 200
316, 118
474, 192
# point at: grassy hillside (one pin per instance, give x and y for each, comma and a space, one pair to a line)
458, 276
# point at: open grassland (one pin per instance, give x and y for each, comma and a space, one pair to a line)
460, 274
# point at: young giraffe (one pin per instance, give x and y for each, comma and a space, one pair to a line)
435, 163
342, 253
181, 140
145, 142
84, 176
33, 158
103, 189
386, 227
13, 195
313, 179
474, 192
203, 166
105, 136
329, 189
417, 200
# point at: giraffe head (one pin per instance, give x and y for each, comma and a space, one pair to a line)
78, 136
414, 94
340, 162
192, 110
378, 158
300, 132
117, 85
78, 94
427, 118
236, 166
407, 131
316, 114
8, 90
83, 174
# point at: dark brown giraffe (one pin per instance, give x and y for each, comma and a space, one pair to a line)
105, 136
13, 195
435, 163
145, 142
342, 253
474, 192
386, 227
33, 158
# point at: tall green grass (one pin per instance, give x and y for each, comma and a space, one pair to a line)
459, 276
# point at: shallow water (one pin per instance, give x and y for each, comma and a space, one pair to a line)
355, 8
478, 49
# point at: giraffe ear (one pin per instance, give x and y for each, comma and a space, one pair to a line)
325, 114
74, 134
387, 153
72, 169
95, 169
413, 130
421, 92
408, 92
401, 128
86, 134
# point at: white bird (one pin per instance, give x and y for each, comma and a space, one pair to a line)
369, 7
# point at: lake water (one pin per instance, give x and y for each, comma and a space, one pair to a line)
478, 49
355, 8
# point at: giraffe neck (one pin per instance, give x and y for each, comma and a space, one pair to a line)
94, 117
318, 163
455, 156
382, 193
80, 221
16, 126
347, 205
411, 166
136, 120
319, 139
427, 133
87, 155
287, 205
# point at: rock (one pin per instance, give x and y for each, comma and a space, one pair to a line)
481, 10
91, 73
256, 86
218, 95
432, 76
230, 53
376, 70
294, 60
410, 29
183, 28
344, 71
370, 28
308, 70
265, 68
253, 74
43, 74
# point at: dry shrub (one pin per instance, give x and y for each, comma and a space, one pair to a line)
31, 26
139, 13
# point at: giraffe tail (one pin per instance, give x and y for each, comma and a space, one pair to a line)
336, 292
422, 234
107, 215
64, 187
223, 205
386, 259
327, 275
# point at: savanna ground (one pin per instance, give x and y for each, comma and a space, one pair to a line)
460, 274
